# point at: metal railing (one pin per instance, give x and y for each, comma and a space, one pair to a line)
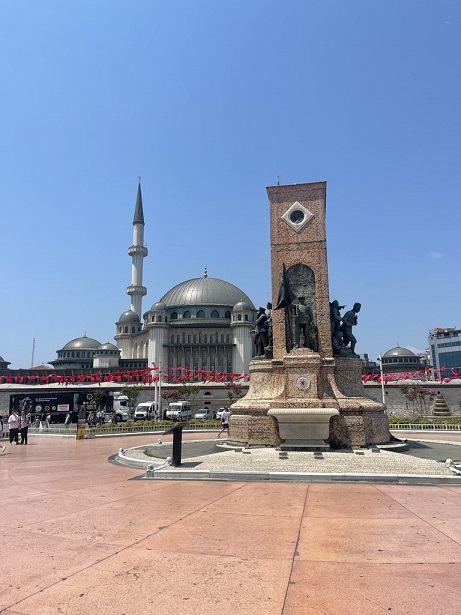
425, 426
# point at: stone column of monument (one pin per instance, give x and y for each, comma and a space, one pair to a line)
303, 396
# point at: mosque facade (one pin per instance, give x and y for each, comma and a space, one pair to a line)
203, 325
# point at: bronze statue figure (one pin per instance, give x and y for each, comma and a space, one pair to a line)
261, 337
303, 321
349, 320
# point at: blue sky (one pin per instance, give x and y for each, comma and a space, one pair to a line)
209, 102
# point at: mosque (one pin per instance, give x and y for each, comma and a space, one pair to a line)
200, 324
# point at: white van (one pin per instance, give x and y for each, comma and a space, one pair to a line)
145, 411
179, 411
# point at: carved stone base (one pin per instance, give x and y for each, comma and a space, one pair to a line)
252, 430
303, 428
359, 428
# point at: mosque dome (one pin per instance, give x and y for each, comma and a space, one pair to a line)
242, 305
108, 346
129, 316
158, 307
398, 351
205, 291
82, 343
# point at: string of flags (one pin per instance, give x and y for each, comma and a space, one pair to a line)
150, 375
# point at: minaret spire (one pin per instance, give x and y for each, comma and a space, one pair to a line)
137, 252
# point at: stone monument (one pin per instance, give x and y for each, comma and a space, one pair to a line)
307, 392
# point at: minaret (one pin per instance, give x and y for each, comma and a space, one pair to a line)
137, 252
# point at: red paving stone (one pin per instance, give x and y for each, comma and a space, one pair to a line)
77, 537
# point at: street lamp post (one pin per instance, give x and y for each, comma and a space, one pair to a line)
383, 392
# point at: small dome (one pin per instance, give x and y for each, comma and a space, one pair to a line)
398, 352
108, 346
129, 316
82, 343
242, 305
158, 307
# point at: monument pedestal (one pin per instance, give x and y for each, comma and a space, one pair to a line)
306, 403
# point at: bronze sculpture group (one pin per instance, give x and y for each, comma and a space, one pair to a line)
305, 330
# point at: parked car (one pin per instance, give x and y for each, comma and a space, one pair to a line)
221, 410
203, 413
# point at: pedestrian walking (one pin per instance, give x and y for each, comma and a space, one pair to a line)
224, 422
2, 434
25, 422
13, 423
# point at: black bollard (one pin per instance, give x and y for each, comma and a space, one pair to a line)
176, 430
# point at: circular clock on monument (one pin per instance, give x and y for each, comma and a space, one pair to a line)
303, 383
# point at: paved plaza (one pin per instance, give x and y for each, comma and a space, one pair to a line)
78, 536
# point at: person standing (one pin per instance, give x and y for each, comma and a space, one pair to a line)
67, 420
224, 422
13, 424
1, 433
25, 421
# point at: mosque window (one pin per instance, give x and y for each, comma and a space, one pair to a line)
222, 338
205, 338
177, 339
227, 338
246, 317
132, 329
174, 315
200, 314
126, 329
172, 339
186, 314
199, 338
153, 318
188, 339
183, 338
207, 393
73, 354
239, 317
166, 318
214, 314
227, 314
194, 339
159, 318
211, 338
120, 329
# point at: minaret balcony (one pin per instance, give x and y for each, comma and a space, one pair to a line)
136, 290
138, 250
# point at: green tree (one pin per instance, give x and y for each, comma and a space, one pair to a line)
234, 391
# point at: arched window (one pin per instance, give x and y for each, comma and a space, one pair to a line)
194, 339
133, 329
126, 329
211, 338
199, 338
227, 338
172, 339
153, 318
177, 339
222, 338
214, 314
159, 318
183, 338
200, 314
246, 316
205, 338
227, 314
166, 318
186, 314
174, 315
188, 339
239, 317
120, 329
